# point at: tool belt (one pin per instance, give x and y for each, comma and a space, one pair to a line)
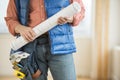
24, 60
24, 65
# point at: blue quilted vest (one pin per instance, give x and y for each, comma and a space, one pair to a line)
61, 36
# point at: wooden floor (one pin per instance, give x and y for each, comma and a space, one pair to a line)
13, 78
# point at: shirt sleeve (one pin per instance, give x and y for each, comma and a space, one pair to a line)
11, 17
77, 18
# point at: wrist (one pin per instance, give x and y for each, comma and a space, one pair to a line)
17, 28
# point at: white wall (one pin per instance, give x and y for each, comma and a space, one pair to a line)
114, 23
3, 7
5, 66
114, 30
82, 57
116, 64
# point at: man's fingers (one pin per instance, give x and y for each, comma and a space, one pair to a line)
61, 20
27, 36
33, 34
69, 19
30, 34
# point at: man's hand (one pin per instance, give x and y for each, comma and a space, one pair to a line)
26, 32
63, 20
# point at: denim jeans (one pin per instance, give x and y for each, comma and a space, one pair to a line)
61, 66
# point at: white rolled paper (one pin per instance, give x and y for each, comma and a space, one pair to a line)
48, 24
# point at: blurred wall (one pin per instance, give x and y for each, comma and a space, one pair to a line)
5, 66
114, 35
114, 23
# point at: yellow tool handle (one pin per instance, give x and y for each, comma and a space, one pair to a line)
19, 74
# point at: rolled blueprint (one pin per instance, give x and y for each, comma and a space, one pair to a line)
48, 24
